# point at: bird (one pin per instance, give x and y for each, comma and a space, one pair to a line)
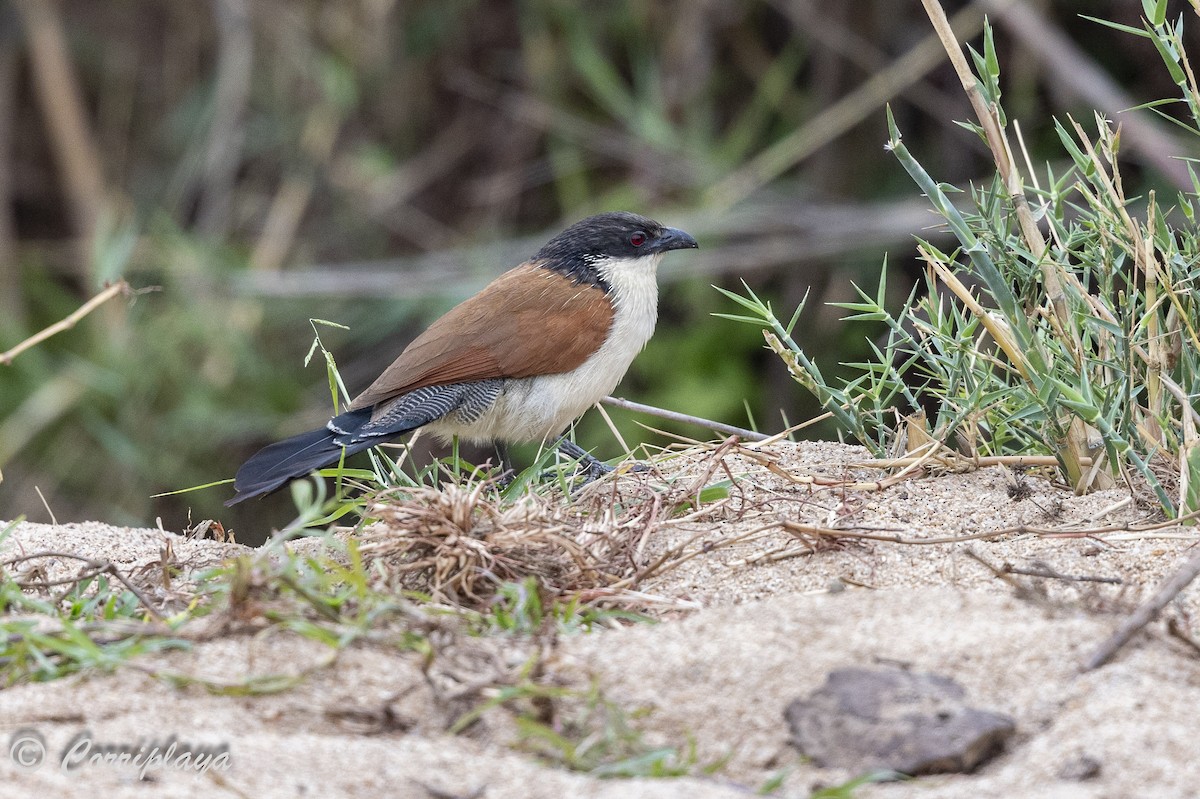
517, 362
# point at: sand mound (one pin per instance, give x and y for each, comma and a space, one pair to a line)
778, 609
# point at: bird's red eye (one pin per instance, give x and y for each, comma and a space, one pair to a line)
637, 239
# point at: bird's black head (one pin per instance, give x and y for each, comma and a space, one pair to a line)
614, 235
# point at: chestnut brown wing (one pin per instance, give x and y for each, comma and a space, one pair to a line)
529, 321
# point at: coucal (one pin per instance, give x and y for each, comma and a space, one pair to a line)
519, 361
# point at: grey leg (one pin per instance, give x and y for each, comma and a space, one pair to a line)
593, 467
503, 455
505, 469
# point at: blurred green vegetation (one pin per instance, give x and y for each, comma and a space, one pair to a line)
216, 149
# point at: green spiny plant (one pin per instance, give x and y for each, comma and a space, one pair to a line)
1072, 331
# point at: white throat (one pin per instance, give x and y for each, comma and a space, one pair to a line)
634, 284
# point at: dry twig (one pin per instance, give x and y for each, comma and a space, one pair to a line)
1145, 613
120, 287
674, 416
1046, 572
876, 534
92, 567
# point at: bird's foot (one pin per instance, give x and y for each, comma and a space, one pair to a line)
591, 467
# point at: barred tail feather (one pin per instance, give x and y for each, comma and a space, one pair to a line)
355, 431
272, 467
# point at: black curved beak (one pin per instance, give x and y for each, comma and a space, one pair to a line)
674, 239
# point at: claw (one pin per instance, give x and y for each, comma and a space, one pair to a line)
592, 468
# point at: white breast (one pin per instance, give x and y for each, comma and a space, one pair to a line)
536, 408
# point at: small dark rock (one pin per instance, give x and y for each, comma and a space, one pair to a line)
913, 723
1080, 768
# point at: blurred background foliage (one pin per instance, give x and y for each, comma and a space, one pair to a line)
371, 162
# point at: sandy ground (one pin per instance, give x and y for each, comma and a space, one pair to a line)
772, 618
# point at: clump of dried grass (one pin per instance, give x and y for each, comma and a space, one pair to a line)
459, 543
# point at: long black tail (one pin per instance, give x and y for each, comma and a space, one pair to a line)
355, 431
272, 467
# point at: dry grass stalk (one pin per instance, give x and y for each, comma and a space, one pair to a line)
120, 287
1145, 613
810, 532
